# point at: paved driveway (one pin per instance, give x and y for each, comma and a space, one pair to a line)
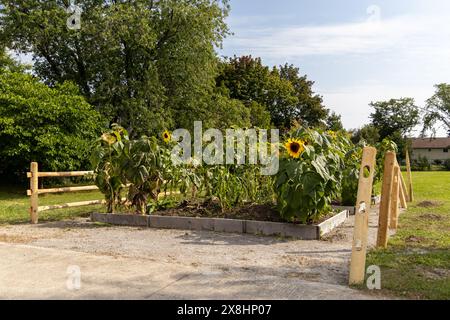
81, 260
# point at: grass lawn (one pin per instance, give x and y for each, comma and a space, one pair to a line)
416, 263
15, 204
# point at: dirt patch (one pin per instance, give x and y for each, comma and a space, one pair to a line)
211, 209
431, 216
429, 204
435, 273
415, 239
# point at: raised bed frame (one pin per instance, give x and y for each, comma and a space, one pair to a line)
304, 232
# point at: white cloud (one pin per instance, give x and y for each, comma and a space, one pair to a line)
358, 62
419, 34
352, 102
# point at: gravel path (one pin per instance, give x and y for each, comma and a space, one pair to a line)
131, 263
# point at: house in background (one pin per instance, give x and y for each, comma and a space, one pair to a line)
431, 148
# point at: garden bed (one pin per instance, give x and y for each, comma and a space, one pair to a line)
268, 228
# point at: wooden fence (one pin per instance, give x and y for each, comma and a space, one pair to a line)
394, 197
34, 190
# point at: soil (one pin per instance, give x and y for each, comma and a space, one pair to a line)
414, 239
211, 209
437, 273
431, 216
429, 204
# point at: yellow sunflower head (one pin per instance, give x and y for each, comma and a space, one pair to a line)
332, 133
166, 136
109, 138
295, 147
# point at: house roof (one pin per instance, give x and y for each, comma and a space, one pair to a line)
430, 143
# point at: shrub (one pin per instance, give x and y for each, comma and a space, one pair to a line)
447, 164
53, 126
421, 164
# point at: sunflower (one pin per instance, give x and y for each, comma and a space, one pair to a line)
295, 147
332, 133
166, 136
109, 138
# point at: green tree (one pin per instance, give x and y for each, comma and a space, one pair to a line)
144, 64
248, 80
280, 100
285, 94
228, 112
8, 63
437, 109
395, 119
53, 126
309, 109
394, 116
367, 133
334, 122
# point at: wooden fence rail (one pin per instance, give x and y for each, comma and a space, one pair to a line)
34, 190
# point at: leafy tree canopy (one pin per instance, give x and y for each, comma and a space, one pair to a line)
309, 109
334, 122
368, 133
394, 119
8, 63
144, 64
285, 94
395, 116
53, 126
437, 109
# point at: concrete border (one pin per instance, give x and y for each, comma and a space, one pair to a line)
304, 232
331, 223
351, 209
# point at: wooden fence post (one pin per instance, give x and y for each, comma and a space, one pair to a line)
403, 192
409, 176
359, 247
395, 199
385, 204
34, 186
402, 195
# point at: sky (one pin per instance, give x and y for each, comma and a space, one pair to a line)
356, 51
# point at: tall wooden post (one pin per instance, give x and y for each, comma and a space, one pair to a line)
408, 170
395, 199
359, 247
403, 189
34, 186
402, 192
385, 204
